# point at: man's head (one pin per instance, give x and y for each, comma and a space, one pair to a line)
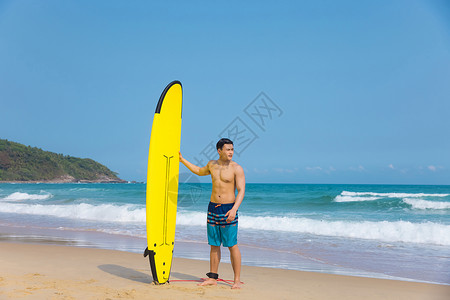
225, 149
222, 142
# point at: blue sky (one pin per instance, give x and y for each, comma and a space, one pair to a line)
311, 91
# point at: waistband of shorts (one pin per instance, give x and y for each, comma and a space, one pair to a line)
225, 205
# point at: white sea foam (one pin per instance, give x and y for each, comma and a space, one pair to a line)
84, 211
18, 196
425, 204
392, 195
398, 231
346, 196
343, 198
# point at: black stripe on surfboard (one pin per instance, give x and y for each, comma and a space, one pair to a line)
163, 95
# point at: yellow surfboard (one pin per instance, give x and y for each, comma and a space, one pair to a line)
162, 181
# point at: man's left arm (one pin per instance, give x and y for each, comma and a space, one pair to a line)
240, 187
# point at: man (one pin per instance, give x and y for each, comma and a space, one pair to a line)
227, 177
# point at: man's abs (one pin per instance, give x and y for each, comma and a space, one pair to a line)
223, 195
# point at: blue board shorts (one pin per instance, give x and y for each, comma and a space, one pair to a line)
219, 231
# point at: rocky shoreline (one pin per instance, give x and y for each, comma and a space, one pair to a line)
70, 179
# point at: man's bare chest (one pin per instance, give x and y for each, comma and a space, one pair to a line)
223, 174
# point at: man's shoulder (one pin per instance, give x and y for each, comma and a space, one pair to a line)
211, 163
235, 165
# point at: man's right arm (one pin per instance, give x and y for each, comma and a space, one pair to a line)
195, 169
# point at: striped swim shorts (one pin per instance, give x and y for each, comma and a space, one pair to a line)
219, 231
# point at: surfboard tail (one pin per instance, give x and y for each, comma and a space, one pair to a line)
151, 258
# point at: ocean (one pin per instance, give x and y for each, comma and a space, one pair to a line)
380, 231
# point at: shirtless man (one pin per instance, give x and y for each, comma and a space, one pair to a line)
227, 177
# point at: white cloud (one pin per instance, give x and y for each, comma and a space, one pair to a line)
313, 168
359, 168
281, 170
260, 171
391, 166
434, 168
320, 169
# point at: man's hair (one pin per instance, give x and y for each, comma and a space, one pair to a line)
222, 142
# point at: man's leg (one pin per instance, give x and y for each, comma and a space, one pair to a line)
235, 256
214, 260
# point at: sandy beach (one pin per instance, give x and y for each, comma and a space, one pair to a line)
33, 271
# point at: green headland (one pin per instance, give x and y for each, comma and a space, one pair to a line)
20, 163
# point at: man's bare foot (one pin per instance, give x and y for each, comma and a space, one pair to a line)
209, 281
236, 285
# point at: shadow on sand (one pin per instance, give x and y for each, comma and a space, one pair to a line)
126, 273
137, 276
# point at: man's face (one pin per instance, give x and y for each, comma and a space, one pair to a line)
226, 152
